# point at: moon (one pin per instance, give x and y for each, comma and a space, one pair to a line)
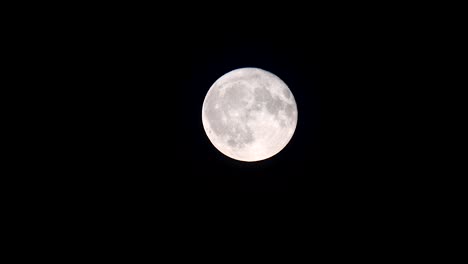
249, 114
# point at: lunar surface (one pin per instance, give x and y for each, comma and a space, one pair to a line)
249, 114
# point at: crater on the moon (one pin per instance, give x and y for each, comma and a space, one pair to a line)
236, 132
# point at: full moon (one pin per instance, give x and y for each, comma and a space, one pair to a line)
249, 114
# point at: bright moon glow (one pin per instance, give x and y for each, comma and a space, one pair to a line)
249, 114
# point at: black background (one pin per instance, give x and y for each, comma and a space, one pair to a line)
124, 126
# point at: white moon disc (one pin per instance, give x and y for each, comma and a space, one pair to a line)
249, 114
